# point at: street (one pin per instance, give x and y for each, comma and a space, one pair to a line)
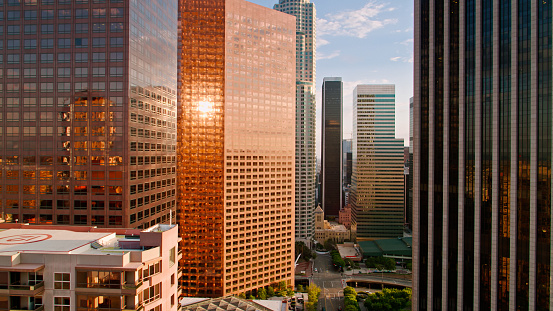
331, 283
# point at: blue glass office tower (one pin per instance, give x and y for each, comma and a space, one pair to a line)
482, 155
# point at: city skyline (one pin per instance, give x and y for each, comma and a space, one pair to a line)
364, 42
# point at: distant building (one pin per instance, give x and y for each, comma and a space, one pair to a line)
325, 230
409, 184
378, 164
236, 149
69, 268
331, 153
345, 216
306, 160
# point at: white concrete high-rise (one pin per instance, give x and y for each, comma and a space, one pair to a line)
304, 11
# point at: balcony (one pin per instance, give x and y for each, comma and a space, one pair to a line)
132, 285
26, 287
39, 308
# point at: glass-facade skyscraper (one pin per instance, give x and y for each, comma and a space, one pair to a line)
88, 112
331, 151
482, 155
377, 181
306, 163
236, 146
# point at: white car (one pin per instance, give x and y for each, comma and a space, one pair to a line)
316, 270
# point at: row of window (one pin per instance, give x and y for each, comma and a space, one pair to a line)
62, 43
64, 204
58, 2
62, 72
48, 14
62, 160
64, 87
47, 219
62, 58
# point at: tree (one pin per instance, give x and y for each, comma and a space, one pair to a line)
313, 292
251, 297
330, 245
300, 288
270, 292
388, 300
242, 295
350, 299
262, 293
302, 249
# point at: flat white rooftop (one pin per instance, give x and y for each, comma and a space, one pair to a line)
46, 241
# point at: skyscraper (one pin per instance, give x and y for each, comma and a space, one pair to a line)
88, 112
331, 153
377, 179
236, 146
482, 155
306, 162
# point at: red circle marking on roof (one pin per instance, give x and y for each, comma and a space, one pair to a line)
24, 238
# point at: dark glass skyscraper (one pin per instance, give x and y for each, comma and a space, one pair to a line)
482, 155
88, 112
331, 168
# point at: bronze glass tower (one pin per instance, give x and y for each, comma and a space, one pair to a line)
88, 112
236, 146
482, 155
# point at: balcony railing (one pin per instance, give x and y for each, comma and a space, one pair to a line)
39, 308
138, 308
132, 285
18, 286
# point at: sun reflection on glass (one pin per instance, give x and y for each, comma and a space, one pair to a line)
205, 107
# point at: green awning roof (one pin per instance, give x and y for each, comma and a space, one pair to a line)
387, 247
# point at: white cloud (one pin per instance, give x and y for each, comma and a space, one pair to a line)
402, 59
407, 42
356, 23
321, 56
321, 42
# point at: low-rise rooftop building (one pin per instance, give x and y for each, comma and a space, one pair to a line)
325, 230
86, 268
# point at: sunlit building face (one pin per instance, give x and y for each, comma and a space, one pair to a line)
236, 115
88, 112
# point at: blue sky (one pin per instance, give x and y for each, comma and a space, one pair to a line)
365, 41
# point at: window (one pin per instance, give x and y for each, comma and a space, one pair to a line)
64, 28
81, 28
13, 29
64, 57
47, 43
172, 256
62, 72
47, 14
81, 42
29, 43
29, 72
62, 303
46, 58
81, 13
13, 44
46, 29
81, 57
98, 57
30, 15
99, 27
29, 58
64, 87
116, 86
14, 58
62, 281
99, 13
30, 29
117, 12
116, 27
116, 42
99, 42
116, 56
99, 72
81, 72
14, 15
64, 14
64, 43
